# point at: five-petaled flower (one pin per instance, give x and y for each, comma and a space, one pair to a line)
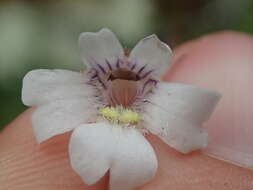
113, 104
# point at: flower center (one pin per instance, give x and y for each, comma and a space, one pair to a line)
124, 88
120, 115
123, 74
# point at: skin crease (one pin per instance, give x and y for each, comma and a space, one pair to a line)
26, 165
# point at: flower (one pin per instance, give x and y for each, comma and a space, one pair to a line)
112, 105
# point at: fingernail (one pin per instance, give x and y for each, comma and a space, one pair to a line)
223, 62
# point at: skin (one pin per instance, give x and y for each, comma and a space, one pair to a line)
26, 165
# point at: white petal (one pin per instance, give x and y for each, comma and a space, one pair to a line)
152, 52
61, 116
43, 86
100, 46
91, 148
96, 148
176, 113
135, 161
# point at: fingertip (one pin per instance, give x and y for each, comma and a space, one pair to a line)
195, 171
222, 61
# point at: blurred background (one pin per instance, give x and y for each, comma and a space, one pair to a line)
43, 34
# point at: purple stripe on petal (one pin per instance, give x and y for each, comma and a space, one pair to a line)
101, 82
141, 69
92, 69
101, 68
94, 73
94, 76
121, 61
108, 64
118, 63
147, 73
133, 66
147, 82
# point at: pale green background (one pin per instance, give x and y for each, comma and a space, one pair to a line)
43, 34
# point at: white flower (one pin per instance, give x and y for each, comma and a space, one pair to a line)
113, 104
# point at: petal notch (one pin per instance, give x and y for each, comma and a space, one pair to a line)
96, 148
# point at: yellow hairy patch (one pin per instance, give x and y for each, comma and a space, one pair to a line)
110, 113
120, 115
129, 116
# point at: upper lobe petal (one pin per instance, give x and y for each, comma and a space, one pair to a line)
153, 53
99, 47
